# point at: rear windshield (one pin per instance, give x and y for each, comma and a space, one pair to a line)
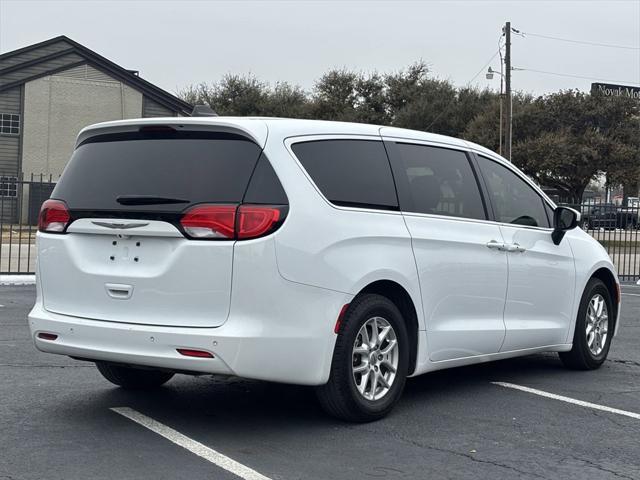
127, 171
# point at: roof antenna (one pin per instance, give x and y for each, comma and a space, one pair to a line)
203, 111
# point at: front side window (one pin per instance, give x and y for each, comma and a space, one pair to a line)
352, 173
513, 199
438, 181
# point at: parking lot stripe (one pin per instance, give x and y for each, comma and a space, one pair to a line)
193, 446
632, 294
581, 403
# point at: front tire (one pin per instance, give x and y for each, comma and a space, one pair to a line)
594, 328
133, 378
370, 361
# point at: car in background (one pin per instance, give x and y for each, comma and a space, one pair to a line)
608, 216
627, 217
599, 216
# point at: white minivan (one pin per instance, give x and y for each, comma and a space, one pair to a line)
343, 256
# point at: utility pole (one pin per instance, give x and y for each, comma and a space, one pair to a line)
507, 77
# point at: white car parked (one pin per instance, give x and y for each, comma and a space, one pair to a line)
344, 256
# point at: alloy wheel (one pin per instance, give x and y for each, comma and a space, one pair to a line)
597, 324
375, 358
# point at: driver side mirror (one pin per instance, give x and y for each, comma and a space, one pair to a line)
564, 219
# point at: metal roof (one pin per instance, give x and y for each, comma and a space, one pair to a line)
61, 53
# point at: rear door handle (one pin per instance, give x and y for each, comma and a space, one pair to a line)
119, 291
514, 247
495, 245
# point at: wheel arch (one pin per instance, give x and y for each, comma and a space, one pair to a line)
609, 279
402, 299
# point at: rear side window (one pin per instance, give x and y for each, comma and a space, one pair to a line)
350, 172
513, 199
189, 167
437, 181
264, 186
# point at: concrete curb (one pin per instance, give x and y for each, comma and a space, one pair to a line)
17, 279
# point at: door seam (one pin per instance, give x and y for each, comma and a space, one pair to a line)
506, 295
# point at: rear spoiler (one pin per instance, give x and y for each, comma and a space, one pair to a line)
255, 130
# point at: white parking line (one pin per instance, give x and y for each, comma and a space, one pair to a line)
595, 406
199, 449
631, 294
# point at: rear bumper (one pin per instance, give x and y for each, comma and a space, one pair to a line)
276, 330
296, 358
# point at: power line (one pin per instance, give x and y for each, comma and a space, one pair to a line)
466, 85
582, 42
573, 76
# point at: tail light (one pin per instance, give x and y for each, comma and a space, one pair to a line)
231, 222
54, 217
257, 220
210, 221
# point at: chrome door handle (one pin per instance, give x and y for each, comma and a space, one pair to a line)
495, 245
514, 247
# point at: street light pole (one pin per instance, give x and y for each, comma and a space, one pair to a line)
507, 77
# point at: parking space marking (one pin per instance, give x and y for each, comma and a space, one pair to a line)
631, 294
562, 398
193, 446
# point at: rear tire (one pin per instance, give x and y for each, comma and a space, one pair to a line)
133, 378
595, 319
359, 352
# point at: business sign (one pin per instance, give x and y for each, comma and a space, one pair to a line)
611, 90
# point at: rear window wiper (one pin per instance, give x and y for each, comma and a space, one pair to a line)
148, 200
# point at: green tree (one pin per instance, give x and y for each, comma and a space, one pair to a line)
569, 138
335, 96
564, 140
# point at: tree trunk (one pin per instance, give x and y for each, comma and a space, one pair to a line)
576, 194
629, 189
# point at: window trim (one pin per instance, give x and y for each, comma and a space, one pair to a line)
403, 188
10, 121
9, 180
524, 178
290, 141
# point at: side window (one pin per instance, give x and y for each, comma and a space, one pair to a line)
513, 199
264, 186
438, 181
350, 172
550, 212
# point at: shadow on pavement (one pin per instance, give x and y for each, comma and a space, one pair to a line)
241, 402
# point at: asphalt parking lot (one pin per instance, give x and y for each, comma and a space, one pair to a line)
57, 422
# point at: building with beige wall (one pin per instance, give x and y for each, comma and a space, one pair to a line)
50, 91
